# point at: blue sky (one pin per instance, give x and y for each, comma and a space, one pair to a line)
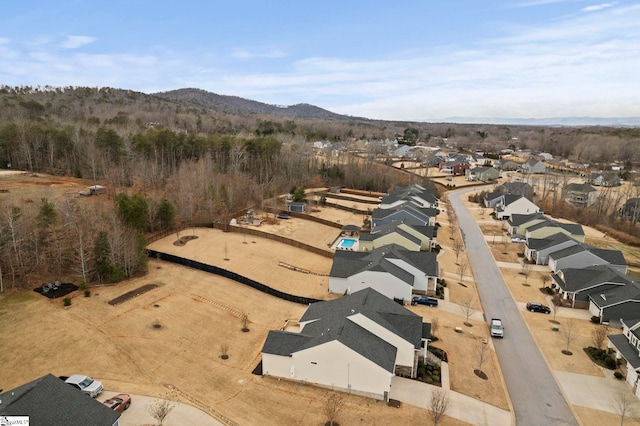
402, 60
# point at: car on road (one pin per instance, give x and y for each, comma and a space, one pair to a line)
497, 330
538, 307
119, 402
86, 384
517, 240
424, 300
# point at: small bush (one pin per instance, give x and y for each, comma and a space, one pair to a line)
66, 301
436, 378
428, 380
82, 285
618, 375
595, 319
87, 293
610, 362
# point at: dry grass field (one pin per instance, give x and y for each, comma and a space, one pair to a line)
168, 341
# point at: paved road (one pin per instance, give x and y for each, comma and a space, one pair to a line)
535, 395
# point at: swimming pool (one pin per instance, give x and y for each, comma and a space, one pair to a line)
347, 243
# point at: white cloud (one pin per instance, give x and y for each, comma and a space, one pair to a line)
73, 42
247, 54
597, 7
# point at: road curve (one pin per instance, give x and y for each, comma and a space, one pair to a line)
535, 395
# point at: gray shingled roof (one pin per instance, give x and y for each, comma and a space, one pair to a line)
614, 257
629, 352
408, 192
520, 219
329, 320
577, 279
348, 263
50, 401
615, 296
552, 240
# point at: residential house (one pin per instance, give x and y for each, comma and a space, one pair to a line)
411, 237
583, 255
484, 174
517, 188
621, 303
477, 159
533, 166
575, 285
50, 401
407, 213
455, 167
517, 224
515, 204
627, 347
421, 196
356, 344
631, 209
550, 227
401, 151
579, 194
492, 199
545, 156
505, 165
606, 179
538, 249
391, 270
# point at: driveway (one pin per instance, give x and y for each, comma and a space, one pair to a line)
461, 406
181, 414
536, 397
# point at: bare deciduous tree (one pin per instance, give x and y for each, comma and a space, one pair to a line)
462, 268
224, 351
467, 308
160, 409
526, 270
435, 324
333, 405
481, 352
599, 335
623, 405
439, 404
569, 335
545, 278
456, 246
556, 305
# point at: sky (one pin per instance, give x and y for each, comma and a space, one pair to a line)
413, 60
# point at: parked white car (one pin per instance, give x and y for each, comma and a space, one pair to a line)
86, 384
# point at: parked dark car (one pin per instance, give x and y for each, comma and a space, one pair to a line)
424, 300
283, 215
538, 307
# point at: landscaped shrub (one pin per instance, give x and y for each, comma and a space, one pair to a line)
595, 319
610, 362
597, 354
618, 375
428, 380
87, 293
66, 301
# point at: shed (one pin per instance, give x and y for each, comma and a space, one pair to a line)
298, 207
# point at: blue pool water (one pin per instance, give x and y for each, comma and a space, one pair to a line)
346, 243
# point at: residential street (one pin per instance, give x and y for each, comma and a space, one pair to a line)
535, 395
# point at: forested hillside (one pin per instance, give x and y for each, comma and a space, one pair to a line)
189, 157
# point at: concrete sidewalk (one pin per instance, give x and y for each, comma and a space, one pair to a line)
181, 414
461, 406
